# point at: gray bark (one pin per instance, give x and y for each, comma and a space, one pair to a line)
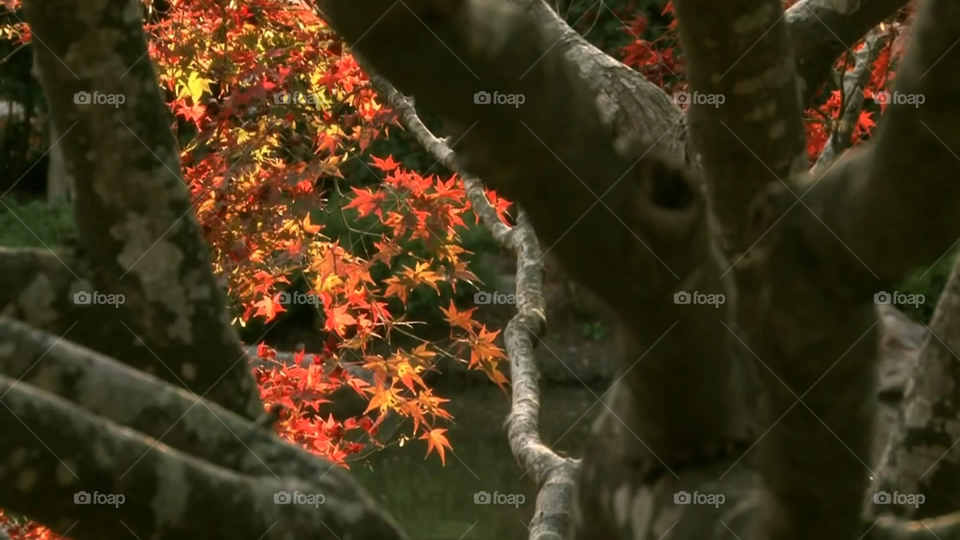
137, 230
923, 457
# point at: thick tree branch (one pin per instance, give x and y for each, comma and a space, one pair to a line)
874, 189
542, 160
818, 326
661, 362
36, 286
922, 457
209, 434
662, 212
148, 405
913, 141
167, 494
758, 125
820, 31
137, 229
651, 226
38, 289
945, 527
634, 107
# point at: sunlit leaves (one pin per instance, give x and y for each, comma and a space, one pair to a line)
277, 110
193, 87
462, 319
436, 441
366, 201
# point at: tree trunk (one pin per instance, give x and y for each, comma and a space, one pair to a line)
923, 457
59, 181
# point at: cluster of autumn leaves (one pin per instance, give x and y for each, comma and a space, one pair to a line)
263, 173
661, 62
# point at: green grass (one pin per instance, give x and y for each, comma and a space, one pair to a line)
35, 224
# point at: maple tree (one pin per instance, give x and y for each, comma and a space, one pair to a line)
278, 237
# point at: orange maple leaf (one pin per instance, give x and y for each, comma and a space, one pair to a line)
460, 318
500, 205
338, 319
408, 375
382, 399
422, 274
386, 250
482, 348
436, 440
461, 272
421, 355
310, 228
397, 288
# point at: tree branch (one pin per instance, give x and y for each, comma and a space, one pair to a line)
36, 286
137, 229
822, 265
921, 458
873, 189
759, 124
914, 141
553, 474
541, 161
888, 528
820, 31
841, 136
632, 106
108, 394
166, 494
